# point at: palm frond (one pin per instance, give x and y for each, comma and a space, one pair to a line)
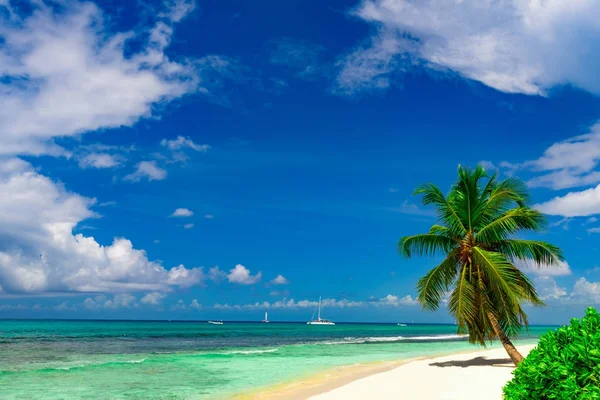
542, 253
436, 283
510, 222
425, 244
432, 195
501, 197
461, 304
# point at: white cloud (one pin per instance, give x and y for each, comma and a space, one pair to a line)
280, 280
241, 275
92, 85
65, 306
99, 160
108, 203
121, 300
209, 216
216, 275
530, 267
180, 305
548, 289
182, 212
40, 254
586, 292
513, 46
395, 301
573, 204
569, 163
387, 301
188, 226
183, 142
370, 67
153, 298
195, 305
593, 230
147, 169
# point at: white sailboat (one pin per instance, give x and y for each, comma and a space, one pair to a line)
266, 320
319, 320
215, 322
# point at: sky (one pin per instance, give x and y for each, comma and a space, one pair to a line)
217, 159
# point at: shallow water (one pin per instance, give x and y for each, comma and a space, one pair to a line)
194, 360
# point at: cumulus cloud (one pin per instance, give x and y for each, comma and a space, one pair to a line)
195, 305
387, 301
573, 204
94, 84
512, 46
531, 267
280, 280
121, 300
548, 289
147, 169
182, 212
241, 275
180, 305
153, 298
395, 301
216, 275
584, 292
40, 254
188, 226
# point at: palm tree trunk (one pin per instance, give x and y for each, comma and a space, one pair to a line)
510, 348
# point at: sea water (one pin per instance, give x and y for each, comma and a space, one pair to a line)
195, 360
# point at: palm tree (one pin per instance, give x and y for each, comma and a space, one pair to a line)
476, 235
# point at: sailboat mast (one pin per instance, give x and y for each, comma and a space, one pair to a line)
319, 315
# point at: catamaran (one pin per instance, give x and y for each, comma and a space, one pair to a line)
266, 317
319, 320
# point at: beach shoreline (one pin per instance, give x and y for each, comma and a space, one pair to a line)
334, 383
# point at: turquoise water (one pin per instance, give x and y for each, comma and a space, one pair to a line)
194, 360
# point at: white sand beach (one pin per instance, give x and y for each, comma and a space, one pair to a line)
465, 376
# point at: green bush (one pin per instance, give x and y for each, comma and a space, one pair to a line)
564, 365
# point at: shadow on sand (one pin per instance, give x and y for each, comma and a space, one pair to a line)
476, 362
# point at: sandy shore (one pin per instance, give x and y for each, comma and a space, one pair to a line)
466, 376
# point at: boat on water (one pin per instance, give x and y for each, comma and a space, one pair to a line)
266, 320
215, 322
399, 324
319, 320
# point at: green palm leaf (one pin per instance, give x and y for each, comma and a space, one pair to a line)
478, 219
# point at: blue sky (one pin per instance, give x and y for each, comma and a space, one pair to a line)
290, 137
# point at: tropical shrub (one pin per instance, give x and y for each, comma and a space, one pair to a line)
564, 365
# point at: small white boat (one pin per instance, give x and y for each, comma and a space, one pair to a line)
215, 322
319, 320
399, 324
266, 320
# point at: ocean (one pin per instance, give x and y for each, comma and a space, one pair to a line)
195, 360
